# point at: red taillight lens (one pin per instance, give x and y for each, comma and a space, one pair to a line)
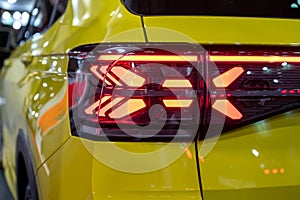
145, 92
135, 92
258, 83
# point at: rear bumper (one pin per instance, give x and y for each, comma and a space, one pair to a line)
74, 172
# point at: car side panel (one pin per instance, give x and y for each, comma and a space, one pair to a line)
228, 30
76, 172
259, 161
34, 82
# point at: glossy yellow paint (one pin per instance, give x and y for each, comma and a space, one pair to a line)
227, 30
41, 83
254, 162
62, 162
65, 167
250, 161
74, 172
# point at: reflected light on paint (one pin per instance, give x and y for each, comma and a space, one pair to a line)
188, 153
267, 172
255, 152
275, 171
202, 159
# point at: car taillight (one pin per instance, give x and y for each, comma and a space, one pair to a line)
154, 92
258, 83
136, 92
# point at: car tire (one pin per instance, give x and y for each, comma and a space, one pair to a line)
1, 143
26, 183
28, 193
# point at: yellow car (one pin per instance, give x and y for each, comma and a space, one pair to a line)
148, 99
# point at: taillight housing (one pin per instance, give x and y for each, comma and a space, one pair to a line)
158, 92
135, 92
251, 83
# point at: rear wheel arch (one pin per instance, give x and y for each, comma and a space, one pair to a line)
26, 183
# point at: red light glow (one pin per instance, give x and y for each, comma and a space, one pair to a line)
91, 109
128, 107
177, 83
130, 78
178, 103
270, 59
108, 106
292, 92
225, 79
157, 58
225, 107
94, 68
103, 69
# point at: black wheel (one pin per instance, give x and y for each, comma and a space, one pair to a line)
26, 184
1, 166
28, 193
1, 143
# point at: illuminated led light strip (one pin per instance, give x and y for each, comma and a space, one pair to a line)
159, 58
270, 59
177, 103
109, 106
93, 69
226, 108
177, 83
113, 79
225, 79
104, 99
103, 69
130, 106
91, 108
130, 78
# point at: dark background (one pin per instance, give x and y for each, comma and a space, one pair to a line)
4, 191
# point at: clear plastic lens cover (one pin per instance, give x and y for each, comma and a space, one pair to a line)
145, 92
136, 91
